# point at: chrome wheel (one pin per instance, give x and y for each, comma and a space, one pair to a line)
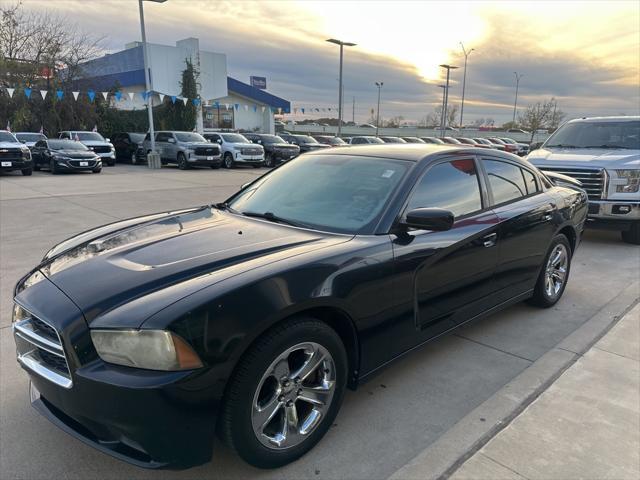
293, 396
556, 271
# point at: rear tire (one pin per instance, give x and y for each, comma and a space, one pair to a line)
271, 381
268, 160
554, 273
53, 167
632, 235
27, 172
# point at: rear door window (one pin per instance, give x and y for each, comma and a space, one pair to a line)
506, 181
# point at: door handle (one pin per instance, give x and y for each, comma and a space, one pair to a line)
489, 240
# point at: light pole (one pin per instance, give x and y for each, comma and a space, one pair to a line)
515, 104
444, 89
464, 78
342, 45
446, 96
379, 85
153, 162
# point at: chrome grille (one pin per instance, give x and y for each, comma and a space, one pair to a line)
251, 151
593, 179
40, 350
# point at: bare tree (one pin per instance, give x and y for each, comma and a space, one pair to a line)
539, 115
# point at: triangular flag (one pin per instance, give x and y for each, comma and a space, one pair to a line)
41, 130
92, 95
295, 111
302, 109
75, 95
237, 105
118, 95
246, 107
144, 95
59, 94
184, 101
279, 110
43, 94
10, 92
255, 107
216, 104
104, 95
8, 128
95, 128
131, 94
173, 98
161, 95
196, 102
27, 92
226, 106
263, 108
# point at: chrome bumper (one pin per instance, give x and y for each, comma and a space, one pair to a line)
614, 210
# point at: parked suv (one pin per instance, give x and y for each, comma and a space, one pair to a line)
185, 149
30, 138
604, 154
306, 142
126, 145
364, 140
276, 150
237, 149
14, 155
96, 142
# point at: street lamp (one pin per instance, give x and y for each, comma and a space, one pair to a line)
446, 98
342, 45
153, 162
464, 78
379, 85
515, 104
444, 88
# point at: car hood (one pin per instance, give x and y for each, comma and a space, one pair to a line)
316, 145
245, 145
200, 144
154, 261
283, 145
75, 153
585, 157
11, 145
96, 143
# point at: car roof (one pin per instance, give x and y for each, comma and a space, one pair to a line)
619, 118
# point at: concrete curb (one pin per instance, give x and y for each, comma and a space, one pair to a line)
443, 457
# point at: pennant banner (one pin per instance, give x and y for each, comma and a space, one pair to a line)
161, 95
145, 95
237, 106
59, 94
131, 94
10, 92
43, 93
263, 108
118, 95
27, 92
92, 95
196, 102
75, 95
184, 101
173, 99
104, 95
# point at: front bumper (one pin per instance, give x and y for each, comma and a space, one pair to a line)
11, 164
76, 165
614, 215
249, 159
148, 419
204, 160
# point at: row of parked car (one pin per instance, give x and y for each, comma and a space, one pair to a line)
89, 151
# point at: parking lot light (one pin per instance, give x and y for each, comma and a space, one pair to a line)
147, 81
515, 103
464, 78
443, 125
379, 85
342, 45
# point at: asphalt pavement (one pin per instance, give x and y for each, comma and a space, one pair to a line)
435, 405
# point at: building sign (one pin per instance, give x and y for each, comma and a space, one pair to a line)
259, 82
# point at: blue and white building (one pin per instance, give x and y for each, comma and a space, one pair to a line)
226, 102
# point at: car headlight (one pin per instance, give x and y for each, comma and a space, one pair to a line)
26, 153
148, 349
633, 181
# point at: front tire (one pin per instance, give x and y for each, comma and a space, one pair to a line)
632, 235
27, 172
268, 160
228, 161
53, 167
285, 393
554, 273
182, 161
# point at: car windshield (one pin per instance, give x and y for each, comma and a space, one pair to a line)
337, 193
189, 137
66, 145
271, 139
374, 140
393, 140
88, 136
136, 137
234, 138
618, 134
337, 141
30, 137
305, 139
7, 137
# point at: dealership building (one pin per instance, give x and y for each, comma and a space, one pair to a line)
225, 102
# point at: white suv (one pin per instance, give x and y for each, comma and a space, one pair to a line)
236, 149
604, 154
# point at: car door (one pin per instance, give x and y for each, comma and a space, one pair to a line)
447, 277
526, 217
162, 145
38, 150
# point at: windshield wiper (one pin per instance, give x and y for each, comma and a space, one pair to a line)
607, 146
224, 206
560, 145
274, 218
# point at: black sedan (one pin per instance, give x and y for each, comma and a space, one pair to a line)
276, 150
251, 317
305, 142
65, 156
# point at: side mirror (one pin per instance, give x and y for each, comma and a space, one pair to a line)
218, 141
535, 146
107, 140
436, 219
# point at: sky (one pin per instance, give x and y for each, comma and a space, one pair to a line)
586, 54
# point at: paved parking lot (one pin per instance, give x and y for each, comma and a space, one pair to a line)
385, 424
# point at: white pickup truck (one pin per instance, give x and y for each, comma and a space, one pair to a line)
603, 153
